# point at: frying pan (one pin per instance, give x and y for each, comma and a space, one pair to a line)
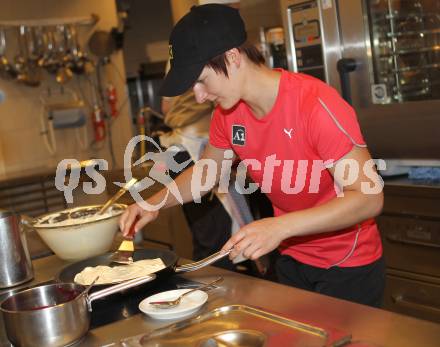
169, 258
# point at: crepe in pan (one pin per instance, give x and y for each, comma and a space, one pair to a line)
116, 274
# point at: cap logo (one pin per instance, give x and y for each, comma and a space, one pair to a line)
170, 51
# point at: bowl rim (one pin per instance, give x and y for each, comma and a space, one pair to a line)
123, 208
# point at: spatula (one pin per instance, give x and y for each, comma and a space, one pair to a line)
124, 254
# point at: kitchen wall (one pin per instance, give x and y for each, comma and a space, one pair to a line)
148, 27
260, 13
21, 144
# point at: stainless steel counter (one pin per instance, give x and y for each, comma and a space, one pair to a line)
379, 327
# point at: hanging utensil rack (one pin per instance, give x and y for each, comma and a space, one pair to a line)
30, 47
78, 21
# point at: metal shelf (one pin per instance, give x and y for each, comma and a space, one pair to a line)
417, 68
405, 15
411, 51
427, 83
412, 33
91, 20
402, 16
410, 68
414, 90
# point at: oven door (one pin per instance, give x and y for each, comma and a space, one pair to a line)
383, 56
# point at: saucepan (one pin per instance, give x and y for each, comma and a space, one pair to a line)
54, 314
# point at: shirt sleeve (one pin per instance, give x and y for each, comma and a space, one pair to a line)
217, 132
333, 126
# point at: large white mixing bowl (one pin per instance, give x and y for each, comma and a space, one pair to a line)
83, 237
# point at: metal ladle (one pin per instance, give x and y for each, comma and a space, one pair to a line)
49, 61
6, 70
34, 73
64, 73
77, 59
27, 72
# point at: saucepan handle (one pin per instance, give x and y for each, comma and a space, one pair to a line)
117, 288
202, 263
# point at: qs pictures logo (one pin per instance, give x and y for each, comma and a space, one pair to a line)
293, 173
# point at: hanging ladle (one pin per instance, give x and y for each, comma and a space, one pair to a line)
6, 70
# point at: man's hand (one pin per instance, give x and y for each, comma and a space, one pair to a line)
256, 239
132, 213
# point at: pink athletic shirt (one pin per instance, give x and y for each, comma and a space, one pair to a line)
286, 154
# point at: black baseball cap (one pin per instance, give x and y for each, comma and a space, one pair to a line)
202, 34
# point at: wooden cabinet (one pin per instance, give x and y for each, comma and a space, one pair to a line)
410, 229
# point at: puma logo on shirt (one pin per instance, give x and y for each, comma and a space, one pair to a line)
288, 132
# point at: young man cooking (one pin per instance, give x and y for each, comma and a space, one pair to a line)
292, 131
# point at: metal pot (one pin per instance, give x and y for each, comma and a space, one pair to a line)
54, 314
16, 265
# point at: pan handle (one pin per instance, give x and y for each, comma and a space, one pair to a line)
117, 288
202, 263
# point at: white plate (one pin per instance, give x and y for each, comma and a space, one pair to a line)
188, 305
